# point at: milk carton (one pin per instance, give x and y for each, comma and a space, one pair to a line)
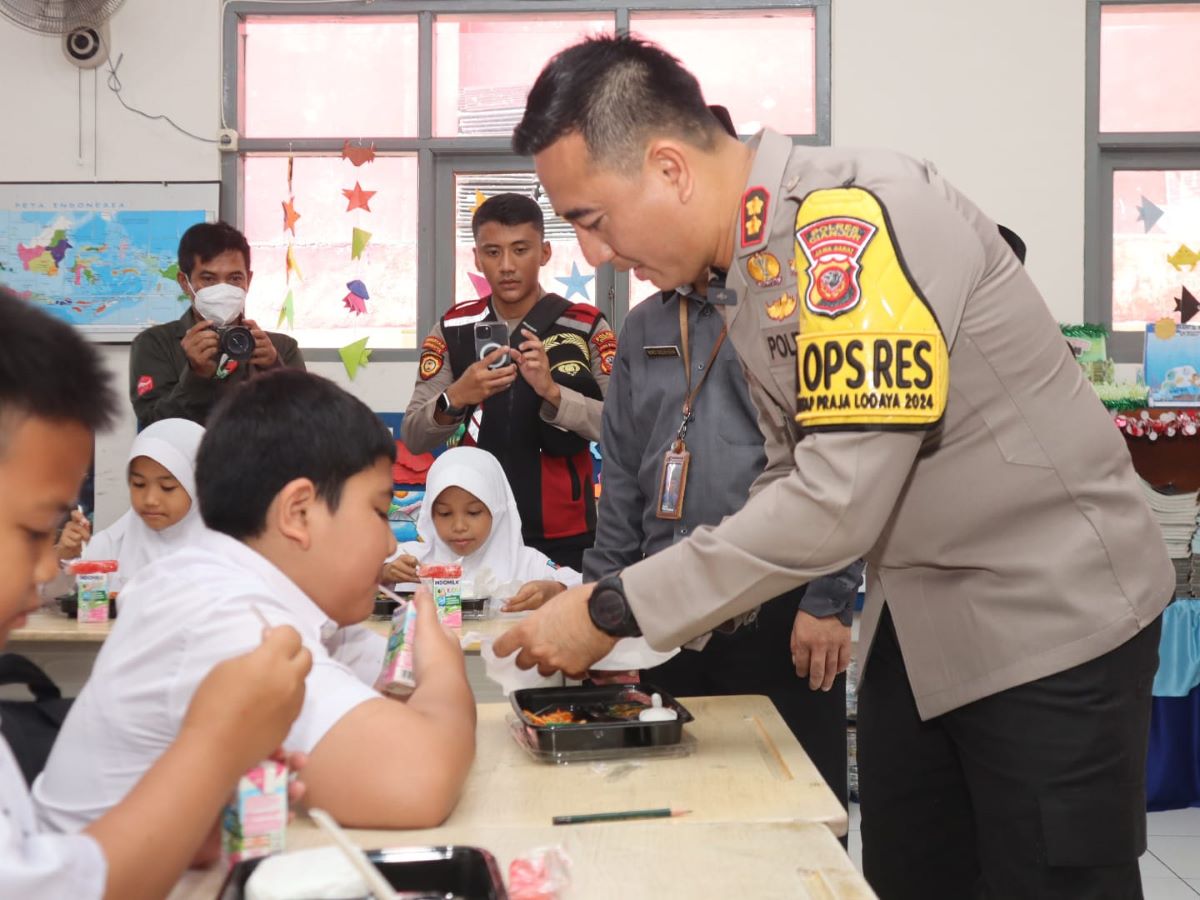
397, 677
445, 583
255, 821
94, 584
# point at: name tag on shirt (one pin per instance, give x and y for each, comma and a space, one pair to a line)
655, 351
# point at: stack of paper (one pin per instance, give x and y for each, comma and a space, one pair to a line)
1176, 515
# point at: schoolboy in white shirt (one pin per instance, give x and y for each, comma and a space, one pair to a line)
54, 394
294, 481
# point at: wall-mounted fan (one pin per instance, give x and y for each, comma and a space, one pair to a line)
82, 24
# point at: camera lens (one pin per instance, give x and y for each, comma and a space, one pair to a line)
237, 343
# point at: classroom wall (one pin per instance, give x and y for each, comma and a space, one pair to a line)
996, 100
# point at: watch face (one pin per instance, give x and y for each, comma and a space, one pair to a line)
608, 608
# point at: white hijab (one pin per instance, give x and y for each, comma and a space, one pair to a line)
172, 443
477, 472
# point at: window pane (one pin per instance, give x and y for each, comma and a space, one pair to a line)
485, 65
325, 77
768, 80
567, 274
322, 247
1151, 265
1149, 67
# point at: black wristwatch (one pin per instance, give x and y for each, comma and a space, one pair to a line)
609, 610
443, 406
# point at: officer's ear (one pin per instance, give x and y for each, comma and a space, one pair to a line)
668, 162
545, 253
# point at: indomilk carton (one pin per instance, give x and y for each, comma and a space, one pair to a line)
445, 583
255, 821
397, 677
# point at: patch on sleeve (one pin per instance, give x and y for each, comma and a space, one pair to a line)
145, 384
433, 357
605, 343
870, 352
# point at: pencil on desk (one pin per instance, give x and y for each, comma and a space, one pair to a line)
663, 813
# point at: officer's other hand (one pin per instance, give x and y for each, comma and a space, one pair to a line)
534, 365
559, 637
200, 345
479, 382
820, 649
265, 355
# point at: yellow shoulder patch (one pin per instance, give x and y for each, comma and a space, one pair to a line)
870, 351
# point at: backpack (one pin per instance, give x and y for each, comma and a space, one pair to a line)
31, 726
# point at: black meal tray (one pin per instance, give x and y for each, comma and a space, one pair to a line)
596, 735
463, 873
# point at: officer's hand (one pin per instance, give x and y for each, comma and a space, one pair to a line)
820, 649
559, 637
532, 596
534, 365
479, 382
200, 345
401, 569
265, 355
77, 530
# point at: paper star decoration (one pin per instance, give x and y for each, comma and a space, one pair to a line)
1187, 306
479, 201
1148, 214
358, 242
358, 153
358, 198
290, 215
575, 283
291, 265
482, 288
356, 300
287, 311
355, 356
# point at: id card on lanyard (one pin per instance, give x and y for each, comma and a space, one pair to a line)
672, 484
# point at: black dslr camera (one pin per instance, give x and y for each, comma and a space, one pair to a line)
236, 342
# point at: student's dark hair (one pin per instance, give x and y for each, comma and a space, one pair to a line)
277, 427
48, 371
617, 92
509, 210
208, 240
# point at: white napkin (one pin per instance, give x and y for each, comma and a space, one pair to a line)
633, 653
504, 671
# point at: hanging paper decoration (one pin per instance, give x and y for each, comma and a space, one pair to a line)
575, 283
482, 288
287, 311
358, 242
1186, 306
355, 356
291, 265
358, 198
358, 153
356, 300
1184, 256
291, 165
479, 201
1148, 214
1168, 424
290, 215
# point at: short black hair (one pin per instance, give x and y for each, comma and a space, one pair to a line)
48, 371
208, 240
616, 91
509, 209
279, 426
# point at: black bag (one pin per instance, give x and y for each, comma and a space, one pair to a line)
31, 726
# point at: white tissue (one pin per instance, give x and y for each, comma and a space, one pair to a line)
633, 653
504, 671
320, 874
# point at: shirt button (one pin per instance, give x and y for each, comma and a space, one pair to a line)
700, 365
683, 531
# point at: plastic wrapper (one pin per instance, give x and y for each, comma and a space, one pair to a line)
541, 874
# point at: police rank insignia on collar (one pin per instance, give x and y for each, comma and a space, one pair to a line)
764, 269
755, 203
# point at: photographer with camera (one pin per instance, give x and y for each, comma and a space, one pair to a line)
525, 372
180, 369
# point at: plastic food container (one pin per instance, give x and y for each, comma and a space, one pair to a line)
604, 708
461, 873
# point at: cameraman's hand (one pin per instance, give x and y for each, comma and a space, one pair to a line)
479, 382
265, 355
200, 344
535, 368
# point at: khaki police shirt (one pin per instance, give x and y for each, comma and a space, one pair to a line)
1010, 540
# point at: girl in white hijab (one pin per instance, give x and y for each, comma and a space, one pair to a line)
469, 514
164, 515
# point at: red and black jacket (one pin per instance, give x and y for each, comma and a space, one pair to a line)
549, 469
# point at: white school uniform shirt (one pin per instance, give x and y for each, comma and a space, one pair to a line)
36, 866
180, 616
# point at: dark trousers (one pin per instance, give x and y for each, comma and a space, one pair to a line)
1035, 792
565, 551
757, 659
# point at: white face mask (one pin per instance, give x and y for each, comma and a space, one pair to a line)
220, 303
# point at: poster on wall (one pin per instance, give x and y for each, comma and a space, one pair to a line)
1172, 366
101, 256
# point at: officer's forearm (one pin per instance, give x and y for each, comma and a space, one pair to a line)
575, 413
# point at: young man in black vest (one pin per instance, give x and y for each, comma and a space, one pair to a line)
536, 414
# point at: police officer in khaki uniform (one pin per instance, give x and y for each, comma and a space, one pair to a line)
941, 430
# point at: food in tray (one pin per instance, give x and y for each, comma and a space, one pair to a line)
627, 707
555, 717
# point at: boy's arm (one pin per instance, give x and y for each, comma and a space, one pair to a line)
428, 741
238, 716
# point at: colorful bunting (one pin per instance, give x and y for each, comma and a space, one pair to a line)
358, 153
1148, 214
356, 300
355, 356
479, 201
287, 311
575, 283
292, 266
358, 198
482, 288
290, 215
1187, 306
358, 242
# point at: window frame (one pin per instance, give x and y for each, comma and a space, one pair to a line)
427, 148
1107, 152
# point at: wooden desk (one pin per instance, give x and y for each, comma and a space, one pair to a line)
48, 626
637, 860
